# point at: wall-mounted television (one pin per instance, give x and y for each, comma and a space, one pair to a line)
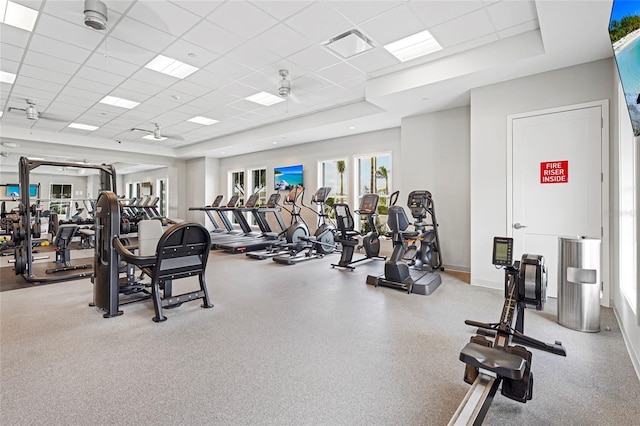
286, 178
624, 31
13, 190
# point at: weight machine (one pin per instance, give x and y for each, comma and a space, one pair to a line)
24, 231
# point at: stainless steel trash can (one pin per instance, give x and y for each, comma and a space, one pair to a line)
579, 283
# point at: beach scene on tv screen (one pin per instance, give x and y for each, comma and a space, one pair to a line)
624, 31
287, 177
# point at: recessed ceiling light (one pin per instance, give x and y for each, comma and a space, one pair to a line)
203, 120
83, 126
264, 98
351, 127
150, 137
11, 144
119, 102
349, 44
411, 47
17, 15
1, 113
171, 67
275, 143
7, 77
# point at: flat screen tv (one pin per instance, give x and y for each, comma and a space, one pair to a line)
287, 177
624, 31
13, 190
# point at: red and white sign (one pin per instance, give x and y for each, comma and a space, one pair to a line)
554, 172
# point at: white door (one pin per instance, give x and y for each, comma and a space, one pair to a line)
556, 182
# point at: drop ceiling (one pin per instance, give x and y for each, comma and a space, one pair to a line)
239, 47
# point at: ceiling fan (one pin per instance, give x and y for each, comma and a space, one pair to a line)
284, 87
157, 133
32, 113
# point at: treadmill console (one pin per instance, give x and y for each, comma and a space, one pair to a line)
502, 251
418, 203
233, 200
216, 202
272, 202
368, 204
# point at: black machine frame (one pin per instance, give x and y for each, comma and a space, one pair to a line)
24, 249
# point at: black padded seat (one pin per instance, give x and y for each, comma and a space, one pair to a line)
500, 362
182, 252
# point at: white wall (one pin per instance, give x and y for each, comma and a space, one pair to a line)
435, 155
490, 106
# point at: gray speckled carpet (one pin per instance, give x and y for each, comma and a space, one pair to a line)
289, 345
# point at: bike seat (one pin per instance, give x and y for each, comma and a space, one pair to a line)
500, 362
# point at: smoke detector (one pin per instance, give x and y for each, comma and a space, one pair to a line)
285, 85
95, 14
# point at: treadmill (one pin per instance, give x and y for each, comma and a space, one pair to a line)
209, 211
266, 238
236, 234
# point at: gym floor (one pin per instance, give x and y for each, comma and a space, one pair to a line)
300, 344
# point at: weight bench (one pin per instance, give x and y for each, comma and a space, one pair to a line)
182, 251
62, 239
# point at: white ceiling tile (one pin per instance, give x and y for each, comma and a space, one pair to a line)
164, 16
150, 108
373, 60
192, 110
14, 36
253, 54
164, 100
40, 96
141, 87
244, 105
465, 28
65, 109
238, 90
283, 41
91, 97
49, 46
340, 72
207, 80
281, 9
50, 62
154, 77
126, 52
393, 25
52, 88
127, 94
11, 52
136, 115
190, 54
190, 88
309, 83
261, 82
116, 66
10, 66
100, 76
200, 8
228, 68
436, 12
510, 13
242, 18
314, 58
357, 13
92, 86
75, 34
43, 74
307, 22
141, 35
213, 100
213, 38
172, 117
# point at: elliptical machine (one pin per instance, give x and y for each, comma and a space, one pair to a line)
348, 236
420, 278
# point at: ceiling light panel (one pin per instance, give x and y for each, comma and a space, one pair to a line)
7, 77
264, 98
19, 16
203, 120
171, 67
83, 126
414, 46
119, 102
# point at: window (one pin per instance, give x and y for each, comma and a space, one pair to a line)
237, 187
333, 173
374, 177
58, 193
627, 214
258, 185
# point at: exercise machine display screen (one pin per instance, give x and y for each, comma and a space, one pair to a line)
369, 203
502, 251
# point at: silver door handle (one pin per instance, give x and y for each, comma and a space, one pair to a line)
517, 225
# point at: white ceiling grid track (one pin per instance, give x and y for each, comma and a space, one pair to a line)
230, 50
